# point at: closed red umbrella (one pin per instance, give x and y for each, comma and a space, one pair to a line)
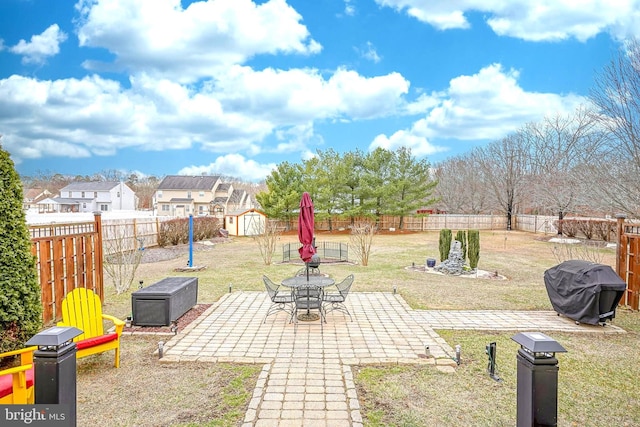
305, 229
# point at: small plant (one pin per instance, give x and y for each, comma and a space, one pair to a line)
444, 244
361, 239
122, 256
474, 248
267, 241
586, 251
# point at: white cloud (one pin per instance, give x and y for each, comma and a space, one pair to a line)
297, 139
369, 52
349, 8
41, 46
232, 115
163, 38
100, 117
299, 95
419, 145
483, 106
490, 104
531, 20
233, 165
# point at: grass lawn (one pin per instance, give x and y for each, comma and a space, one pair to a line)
598, 377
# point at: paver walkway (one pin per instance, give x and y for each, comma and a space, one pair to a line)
306, 378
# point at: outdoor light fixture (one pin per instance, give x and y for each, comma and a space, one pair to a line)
395, 289
537, 373
458, 351
491, 365
230, 286
427, 351
160, 349
174, 327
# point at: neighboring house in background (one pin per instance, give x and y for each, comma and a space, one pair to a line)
245, 222
31, 197
182, 195
104, 196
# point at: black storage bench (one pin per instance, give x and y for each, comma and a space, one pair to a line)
164, 301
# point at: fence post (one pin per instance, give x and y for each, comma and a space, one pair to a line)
99, 283
620, 229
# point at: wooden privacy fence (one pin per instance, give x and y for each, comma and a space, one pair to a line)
414, 223
68, 256
628, 261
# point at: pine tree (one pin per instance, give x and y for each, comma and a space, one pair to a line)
20, 307
474, 248
444, 244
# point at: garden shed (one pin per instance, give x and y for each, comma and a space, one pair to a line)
245, 222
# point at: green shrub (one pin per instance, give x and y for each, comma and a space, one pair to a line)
474, 248
444, 243
461, 237
20, 307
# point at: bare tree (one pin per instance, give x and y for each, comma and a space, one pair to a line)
267, 240
560, 146
506, 168
461, 187
616, 94
361, 239
122, 255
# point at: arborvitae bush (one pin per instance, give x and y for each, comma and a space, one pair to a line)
444, 243
474, 248
461, 237
20, 307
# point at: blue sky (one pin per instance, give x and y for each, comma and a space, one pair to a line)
235, 87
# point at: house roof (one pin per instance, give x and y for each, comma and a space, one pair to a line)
91, 186
244, 211
34, 193
224, 186
237, 196
182, 182
71, 200
222, 200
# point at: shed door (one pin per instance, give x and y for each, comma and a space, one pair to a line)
252, 224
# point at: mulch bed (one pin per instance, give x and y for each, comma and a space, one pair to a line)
182, 322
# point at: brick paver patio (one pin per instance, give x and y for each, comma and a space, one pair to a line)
306, 378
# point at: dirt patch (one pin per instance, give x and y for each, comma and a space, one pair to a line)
180, 324
157, 254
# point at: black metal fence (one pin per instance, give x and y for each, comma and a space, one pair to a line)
328, 251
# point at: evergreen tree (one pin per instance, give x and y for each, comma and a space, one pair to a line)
20, 307
411, 185
444, 244
282, 198
474, 248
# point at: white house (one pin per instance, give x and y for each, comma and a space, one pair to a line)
104, 196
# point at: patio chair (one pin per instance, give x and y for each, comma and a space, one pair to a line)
280, 300
82, 308
16, 383
335, 299
307, 299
